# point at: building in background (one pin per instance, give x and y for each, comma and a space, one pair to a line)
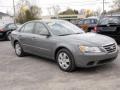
75, 19
115, 14
5, 18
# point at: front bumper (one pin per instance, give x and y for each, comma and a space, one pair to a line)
96, 59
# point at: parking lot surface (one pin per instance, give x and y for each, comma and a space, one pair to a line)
35, 73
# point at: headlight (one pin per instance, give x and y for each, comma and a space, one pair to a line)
87, 49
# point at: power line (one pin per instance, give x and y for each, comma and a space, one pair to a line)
71, 3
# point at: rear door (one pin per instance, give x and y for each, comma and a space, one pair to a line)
25, 37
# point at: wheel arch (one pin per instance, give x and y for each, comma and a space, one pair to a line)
59, 48
14, 43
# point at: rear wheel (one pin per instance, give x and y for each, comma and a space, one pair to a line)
65, 60
18, 50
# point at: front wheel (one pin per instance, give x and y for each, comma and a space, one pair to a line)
65, 60
18, 50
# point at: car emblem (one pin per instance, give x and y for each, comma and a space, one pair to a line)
112, 47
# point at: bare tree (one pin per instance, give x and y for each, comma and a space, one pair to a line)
116, 4
56, 10
35, 11
27, 12
98, 12
69, 12
49, 10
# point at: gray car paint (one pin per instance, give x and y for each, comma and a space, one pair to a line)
46, 46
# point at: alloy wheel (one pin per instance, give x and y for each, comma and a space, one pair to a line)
18, 49
63, 60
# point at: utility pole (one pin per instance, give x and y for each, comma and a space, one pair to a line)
103, 5
14, 10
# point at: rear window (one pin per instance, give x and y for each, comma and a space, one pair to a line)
87, 21
90, 21
80, 22
2, 26
109, 20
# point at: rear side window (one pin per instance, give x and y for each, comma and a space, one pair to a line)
27, 28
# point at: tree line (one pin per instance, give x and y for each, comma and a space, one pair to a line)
27, 12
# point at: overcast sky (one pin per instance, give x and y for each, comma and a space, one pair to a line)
6, 5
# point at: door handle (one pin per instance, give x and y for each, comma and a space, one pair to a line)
20, 35
33, 37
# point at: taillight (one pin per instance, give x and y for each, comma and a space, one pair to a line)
1, 30
95, 29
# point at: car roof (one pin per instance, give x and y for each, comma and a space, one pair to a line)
90, 18
110, 16
46, 20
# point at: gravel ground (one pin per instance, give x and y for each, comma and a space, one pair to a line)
35, 73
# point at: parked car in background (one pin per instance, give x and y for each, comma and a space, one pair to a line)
88, 24
110, 26
64, 42
6, 30
75, 21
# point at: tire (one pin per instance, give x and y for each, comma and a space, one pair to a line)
89, 30
65, 60
18, 50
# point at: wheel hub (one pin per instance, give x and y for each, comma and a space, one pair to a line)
64, 60
18, 49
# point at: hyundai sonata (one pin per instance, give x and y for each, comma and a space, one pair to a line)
64, 42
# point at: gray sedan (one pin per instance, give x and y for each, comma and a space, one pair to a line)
64, 42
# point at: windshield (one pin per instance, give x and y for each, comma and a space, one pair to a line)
110, 20
64, 28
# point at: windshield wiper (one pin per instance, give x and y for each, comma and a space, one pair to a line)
69, 34
78, 33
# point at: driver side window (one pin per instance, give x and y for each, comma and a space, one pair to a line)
40, 29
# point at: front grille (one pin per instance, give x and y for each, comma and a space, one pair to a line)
110, 48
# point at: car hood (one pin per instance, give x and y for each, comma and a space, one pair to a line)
90, 38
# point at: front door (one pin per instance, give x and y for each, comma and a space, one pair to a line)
42, 42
